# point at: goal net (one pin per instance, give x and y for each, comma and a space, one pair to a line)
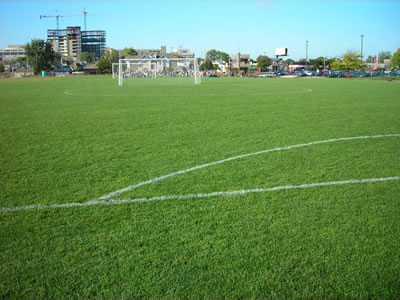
135, 69
157, 68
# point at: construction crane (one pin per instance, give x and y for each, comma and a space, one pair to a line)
57, 16
84, 14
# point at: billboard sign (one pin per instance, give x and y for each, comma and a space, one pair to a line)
281, 51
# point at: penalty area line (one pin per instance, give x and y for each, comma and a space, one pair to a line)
200, 195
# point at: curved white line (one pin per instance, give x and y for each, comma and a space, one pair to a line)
194, 196
70, 93
156, 179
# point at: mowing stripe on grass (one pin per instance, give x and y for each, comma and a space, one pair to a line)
201, 195
87, 93
156, 179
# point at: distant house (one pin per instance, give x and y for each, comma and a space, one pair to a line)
376, 66
222, 66
298, 66
280, 64
21, 69
91, 69
253, 68
241, 64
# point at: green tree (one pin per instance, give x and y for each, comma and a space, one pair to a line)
318, 63
2, 68
20, 59
371, 59
352, 61
263, 61
128, 52
57, 60
337, 65
290, 61
79, 68
40, 55
89, 57
395, 59
217, 55
384, 55
206, 65
105, 62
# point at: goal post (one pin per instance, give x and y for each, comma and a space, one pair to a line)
156, 67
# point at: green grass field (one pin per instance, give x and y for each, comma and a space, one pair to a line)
67, 142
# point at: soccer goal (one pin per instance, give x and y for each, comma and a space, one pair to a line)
135, 69
157, 68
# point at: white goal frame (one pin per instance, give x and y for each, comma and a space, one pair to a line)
158, 61
116, 67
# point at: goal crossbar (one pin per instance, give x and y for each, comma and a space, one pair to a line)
136, 66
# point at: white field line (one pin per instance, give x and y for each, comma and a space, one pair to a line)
156, 179
201, 195
71, 93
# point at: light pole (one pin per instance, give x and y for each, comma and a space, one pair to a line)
306, 54
362, 37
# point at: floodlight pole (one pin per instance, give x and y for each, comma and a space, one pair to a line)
362, 38
306, 54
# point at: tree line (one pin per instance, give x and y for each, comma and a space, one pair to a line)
41, 56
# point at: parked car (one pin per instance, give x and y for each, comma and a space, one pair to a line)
334, 74
348, 74
309, 72
280, 73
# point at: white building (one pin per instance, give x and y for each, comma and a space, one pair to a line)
184, 53
222, 65
12, 52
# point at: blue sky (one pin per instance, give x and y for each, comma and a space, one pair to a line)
246, 26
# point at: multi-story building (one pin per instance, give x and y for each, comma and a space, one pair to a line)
241, 64
152, 52
94, 41
183, 53
12, 52
72, 41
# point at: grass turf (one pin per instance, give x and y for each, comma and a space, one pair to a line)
72, 139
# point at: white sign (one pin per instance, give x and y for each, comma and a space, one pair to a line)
281, 51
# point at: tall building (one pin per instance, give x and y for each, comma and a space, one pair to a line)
72, 41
